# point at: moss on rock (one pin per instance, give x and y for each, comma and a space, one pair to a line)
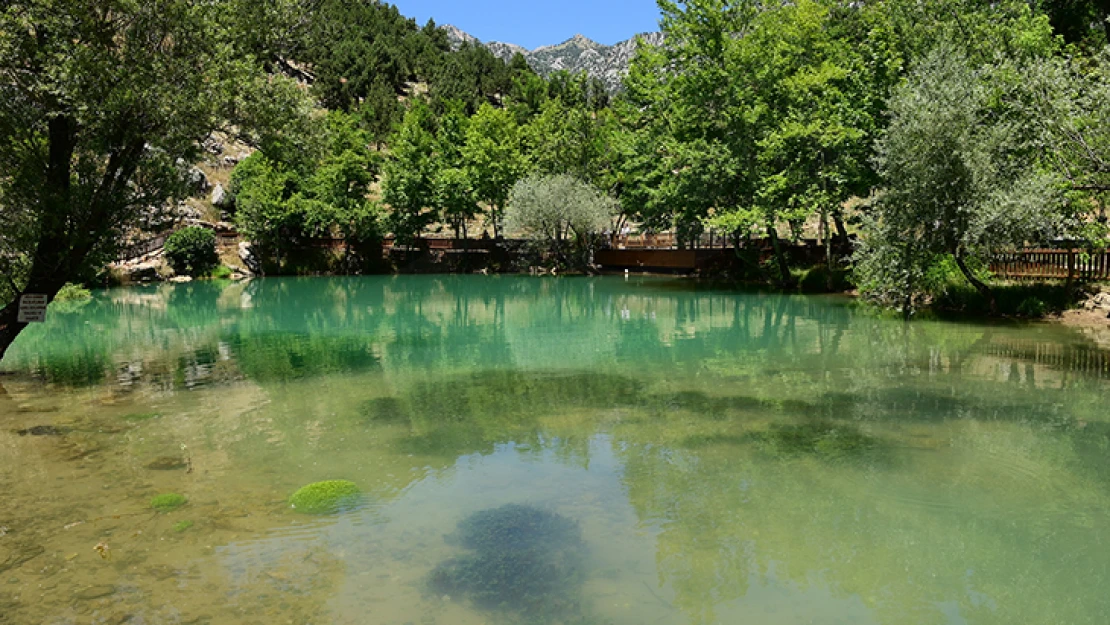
167, 502
326, 497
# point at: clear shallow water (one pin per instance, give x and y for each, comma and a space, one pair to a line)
728, 458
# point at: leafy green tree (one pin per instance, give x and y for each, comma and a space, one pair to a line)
494, 159
285, 200
821, 92
1069, 102
99, 109
962, 179
410, 185
563, 212
566, 139
456, 199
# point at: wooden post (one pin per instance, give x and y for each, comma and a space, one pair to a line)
1071, 269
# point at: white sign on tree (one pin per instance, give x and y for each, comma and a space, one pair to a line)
32, 308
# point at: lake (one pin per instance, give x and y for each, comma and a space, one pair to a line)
538, 450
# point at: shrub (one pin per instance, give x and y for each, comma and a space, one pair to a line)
168, 502
223, 272
192, 251
326, 497
71, 298
1033, 307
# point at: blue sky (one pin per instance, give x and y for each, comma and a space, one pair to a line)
539, 22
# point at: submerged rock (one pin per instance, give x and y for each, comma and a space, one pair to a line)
44, 430
536, 582
524, 560
95, 592
167, 463
515, 526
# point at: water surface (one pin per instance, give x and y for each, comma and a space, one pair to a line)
715, 457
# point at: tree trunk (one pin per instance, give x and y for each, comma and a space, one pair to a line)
9, 327
841, 230
9, 315
786, 280
979, 285
828, 251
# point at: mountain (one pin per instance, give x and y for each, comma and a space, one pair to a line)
608, 63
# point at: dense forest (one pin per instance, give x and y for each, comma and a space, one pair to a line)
923, 137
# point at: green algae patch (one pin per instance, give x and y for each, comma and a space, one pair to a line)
168, 502
182, 526
326, 497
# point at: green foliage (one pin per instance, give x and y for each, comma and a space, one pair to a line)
1024, 299
168, 502
1032, 307
70, 299
191, 251
182, 526
101, 113
493, 158
285, 199
563, 212
409, 187
326, 497
223, 272
962, 180
470, 75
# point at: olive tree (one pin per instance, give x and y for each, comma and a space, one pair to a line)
562, 212
102, 108
962, 179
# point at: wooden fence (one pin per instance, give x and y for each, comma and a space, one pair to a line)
1058, 264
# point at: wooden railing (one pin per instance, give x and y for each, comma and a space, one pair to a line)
1046, 263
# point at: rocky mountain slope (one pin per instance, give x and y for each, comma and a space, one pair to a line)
608, 63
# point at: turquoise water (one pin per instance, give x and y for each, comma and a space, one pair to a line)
652, 451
